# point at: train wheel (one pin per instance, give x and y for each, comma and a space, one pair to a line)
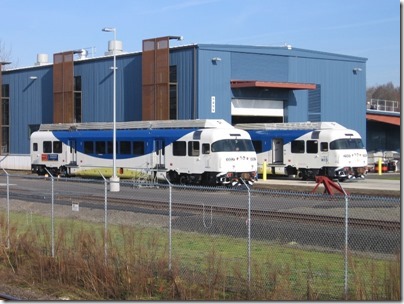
303, 175
183, 179
63, 171
173, 177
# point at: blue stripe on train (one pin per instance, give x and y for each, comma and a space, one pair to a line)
166, 136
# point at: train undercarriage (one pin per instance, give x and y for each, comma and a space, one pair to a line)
341, 173
231, 179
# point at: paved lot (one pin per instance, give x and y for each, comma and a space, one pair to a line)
373, 184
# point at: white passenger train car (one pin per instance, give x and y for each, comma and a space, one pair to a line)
210, 152
308, 149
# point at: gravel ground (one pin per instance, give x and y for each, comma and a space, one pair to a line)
95, 215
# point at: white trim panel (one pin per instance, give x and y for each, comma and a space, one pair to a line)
257, 107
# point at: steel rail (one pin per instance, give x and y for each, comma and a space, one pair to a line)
186, 207
7, 297
265, 214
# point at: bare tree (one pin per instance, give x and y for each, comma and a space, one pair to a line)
5, 54
386, 92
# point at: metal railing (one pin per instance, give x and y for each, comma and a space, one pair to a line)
383, 105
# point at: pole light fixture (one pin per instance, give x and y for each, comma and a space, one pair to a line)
114, 185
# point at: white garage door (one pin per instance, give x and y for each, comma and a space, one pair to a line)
257, 107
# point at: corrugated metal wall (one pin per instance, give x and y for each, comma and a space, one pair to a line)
343, 93
203, 86
185, 60
97, 88
30, 103
259, 67
214, 84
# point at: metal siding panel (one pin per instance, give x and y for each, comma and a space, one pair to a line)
63, 69
214, 80
97, 89
279, 51
131, 89
247, 66
296, 107
184, 60
343, 94
332, 71
30, 103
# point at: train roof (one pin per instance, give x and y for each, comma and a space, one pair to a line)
321, 125
152, 124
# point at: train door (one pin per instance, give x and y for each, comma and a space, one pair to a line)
159, 154
277, 150
72, 152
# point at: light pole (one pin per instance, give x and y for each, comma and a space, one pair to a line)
114, 185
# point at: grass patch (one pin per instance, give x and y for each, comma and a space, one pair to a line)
203, 267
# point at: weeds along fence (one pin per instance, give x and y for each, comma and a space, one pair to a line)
215, 243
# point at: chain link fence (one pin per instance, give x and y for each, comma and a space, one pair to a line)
216, 243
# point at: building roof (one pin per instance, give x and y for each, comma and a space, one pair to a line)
392, 120
271, 84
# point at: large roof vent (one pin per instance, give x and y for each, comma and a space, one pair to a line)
41, 59
114, 47
83, 54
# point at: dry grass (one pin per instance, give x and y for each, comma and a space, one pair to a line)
136, 268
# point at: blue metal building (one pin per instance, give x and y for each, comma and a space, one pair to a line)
231, 82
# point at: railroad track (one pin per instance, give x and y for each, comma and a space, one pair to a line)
96, 201
264, 214
6, 297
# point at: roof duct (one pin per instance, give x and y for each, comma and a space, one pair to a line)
83, 54
41, 59
114, 47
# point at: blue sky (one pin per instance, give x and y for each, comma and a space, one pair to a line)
363, 28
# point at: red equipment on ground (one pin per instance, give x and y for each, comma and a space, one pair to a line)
328, 185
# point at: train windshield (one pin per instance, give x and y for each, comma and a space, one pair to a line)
346, 143
230, 145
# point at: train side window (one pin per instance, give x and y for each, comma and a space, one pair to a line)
35, 147
57, 147
193, 148
197, 135
125, 147
88, 147
47, 147
324, 146
179, 148
297, 146
100, 147
257, 146
138, 147
312, 146
109, 147
205, 149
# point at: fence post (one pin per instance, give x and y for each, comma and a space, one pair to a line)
105, 218
346, 245
52, 215
170, 220
8, 208
249, 237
